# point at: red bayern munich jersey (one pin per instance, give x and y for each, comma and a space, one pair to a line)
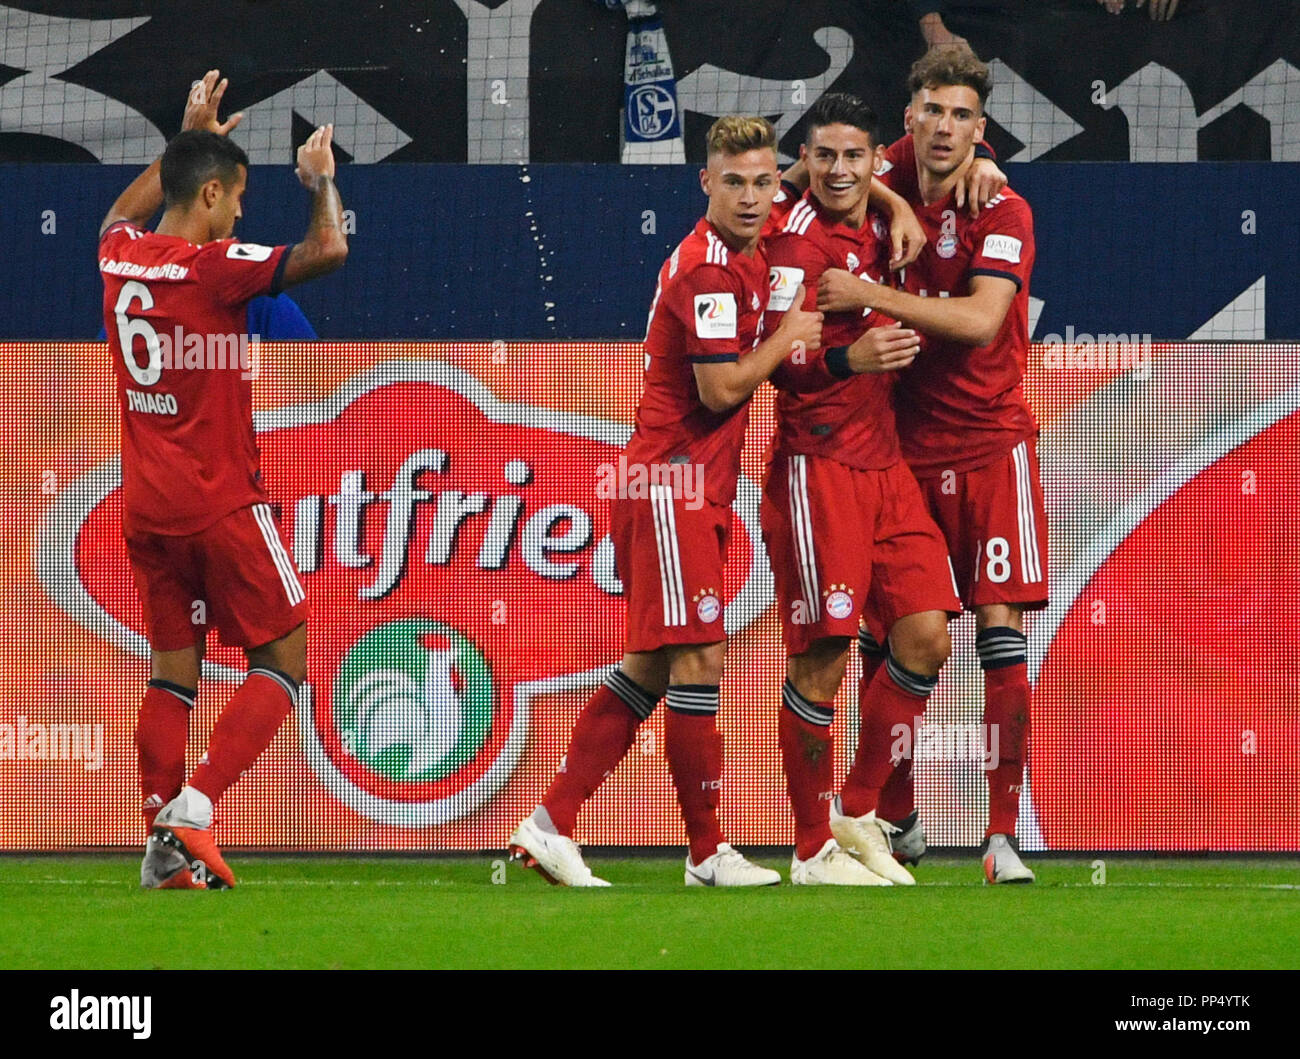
188, 453
961, 407
849, 420
708, 309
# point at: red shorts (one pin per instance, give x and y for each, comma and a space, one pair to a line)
236, 576
670, 561
996, 525
843, 541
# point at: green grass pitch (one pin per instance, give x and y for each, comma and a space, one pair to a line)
87, 912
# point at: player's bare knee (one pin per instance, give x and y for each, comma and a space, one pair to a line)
818, 672
696, 663
921, 642
647, 669
999, 616
939, 647
935, 648
287, 654
177, 667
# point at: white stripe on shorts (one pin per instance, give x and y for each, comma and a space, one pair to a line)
1030, 566
283, 564
801, 524
670, 562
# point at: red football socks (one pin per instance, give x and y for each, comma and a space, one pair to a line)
601, 738
161, 733
693, 746
245, 728
1006, 706
873, 656
897, 796
807, 753
1003, 654
894, 697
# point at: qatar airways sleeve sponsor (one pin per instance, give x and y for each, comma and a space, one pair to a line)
1008, 249
249, 252
1002, 248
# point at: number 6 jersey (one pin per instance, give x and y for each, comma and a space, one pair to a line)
175, 318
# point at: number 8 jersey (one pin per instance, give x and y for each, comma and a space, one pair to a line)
175, 317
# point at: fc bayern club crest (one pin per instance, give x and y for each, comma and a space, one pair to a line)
708, 607
839, 604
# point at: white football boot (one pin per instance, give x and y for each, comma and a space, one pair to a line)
867, 839
728, 868
833, 867
1002, 863
555, 857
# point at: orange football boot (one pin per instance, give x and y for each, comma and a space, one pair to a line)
204, 860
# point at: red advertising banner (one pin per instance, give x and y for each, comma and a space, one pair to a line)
447, 509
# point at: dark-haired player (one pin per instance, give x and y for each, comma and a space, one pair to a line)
705, 356
846, 526
204, 544
966, 429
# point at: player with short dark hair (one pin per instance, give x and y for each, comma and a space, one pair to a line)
846, 526
191, 160
204, 543
965, 427
705, 356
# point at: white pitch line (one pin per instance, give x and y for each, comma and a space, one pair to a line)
642, 886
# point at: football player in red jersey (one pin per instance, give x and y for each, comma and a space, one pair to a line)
846, 527
204, 544
965, 427
705, 356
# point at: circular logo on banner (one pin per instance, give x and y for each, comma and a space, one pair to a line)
839, 604
651, 111
413, 723
946, 246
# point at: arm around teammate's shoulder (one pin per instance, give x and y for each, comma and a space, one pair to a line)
973, 319
324, 248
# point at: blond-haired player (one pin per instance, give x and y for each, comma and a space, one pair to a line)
705, 356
